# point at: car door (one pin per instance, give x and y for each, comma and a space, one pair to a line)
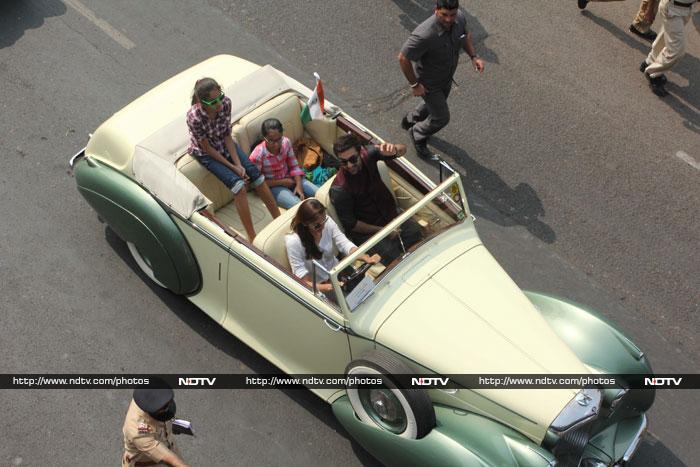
281, 319
212, 254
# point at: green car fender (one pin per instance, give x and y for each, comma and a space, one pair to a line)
596, 342
137, 217
459, 438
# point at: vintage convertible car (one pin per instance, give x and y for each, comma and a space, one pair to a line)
444, 307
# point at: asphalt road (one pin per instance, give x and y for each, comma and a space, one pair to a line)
583, 182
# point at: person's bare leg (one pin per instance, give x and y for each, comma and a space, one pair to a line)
266, 195
241, 202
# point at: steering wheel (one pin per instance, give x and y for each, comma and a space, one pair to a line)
351, 280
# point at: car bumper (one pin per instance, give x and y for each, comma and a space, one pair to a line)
616, 445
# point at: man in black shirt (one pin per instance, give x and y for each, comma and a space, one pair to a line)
428, 60
363, 202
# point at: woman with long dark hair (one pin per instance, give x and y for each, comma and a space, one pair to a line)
316, 236
209, 122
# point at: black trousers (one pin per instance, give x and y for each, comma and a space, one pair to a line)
390, 248
432, 114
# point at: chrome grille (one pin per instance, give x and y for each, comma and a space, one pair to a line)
570, 447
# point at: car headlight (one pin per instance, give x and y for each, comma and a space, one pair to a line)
583, 408
617, 399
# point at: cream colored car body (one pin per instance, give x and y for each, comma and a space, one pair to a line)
448, 308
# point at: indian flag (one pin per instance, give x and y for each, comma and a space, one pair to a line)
313, 110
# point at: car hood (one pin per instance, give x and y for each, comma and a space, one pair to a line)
469, 317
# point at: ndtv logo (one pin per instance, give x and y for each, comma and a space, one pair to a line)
196, 381
662, 381
429, 381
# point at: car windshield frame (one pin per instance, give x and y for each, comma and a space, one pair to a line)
349, 260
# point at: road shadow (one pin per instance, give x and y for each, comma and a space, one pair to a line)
684, 100
415, 12
217, 336
652, 452
17, 16
506, 206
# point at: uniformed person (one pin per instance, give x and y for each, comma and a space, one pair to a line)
641, 25
428, 60
148, 438
670, 45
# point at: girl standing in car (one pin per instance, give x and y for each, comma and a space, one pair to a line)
209, 122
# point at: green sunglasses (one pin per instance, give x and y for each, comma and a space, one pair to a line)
213, 101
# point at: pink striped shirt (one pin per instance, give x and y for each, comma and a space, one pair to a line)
276, 166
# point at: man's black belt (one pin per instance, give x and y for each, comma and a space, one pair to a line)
684, 5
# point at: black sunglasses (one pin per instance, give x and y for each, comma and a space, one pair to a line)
318, 225
350, 160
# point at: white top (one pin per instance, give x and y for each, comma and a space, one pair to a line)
332, 240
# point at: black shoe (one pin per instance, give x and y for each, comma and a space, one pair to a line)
405, 124
582, 4
421, 147
660, 78
643, 68
649, 35
658, 86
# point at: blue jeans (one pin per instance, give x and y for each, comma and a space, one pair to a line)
286, 198
230, 178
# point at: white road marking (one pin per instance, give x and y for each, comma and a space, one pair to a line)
688, 159
107, 28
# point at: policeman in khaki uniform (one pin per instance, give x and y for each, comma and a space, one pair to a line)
670, 45
148, 438
641, 25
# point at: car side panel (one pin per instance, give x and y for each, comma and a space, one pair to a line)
212, 254
138, 218
266, 317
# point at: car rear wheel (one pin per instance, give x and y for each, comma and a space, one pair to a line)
143, 263
405, 412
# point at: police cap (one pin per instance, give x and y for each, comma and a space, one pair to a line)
151, 400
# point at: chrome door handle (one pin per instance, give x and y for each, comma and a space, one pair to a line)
332, 326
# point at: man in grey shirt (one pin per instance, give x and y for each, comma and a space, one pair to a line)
428, 60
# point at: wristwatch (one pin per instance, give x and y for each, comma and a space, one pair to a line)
472, 57
414, 84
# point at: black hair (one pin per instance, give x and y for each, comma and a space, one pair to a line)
271, 124
447, 4
308, 210
345, 142
202, 88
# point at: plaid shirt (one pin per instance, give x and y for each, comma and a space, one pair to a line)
276, 166
214, 130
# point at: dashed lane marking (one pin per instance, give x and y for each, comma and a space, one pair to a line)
687, 158
107, 28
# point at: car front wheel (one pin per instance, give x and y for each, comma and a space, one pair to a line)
405, 412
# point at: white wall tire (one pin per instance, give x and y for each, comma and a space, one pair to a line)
143, 263
407, 413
